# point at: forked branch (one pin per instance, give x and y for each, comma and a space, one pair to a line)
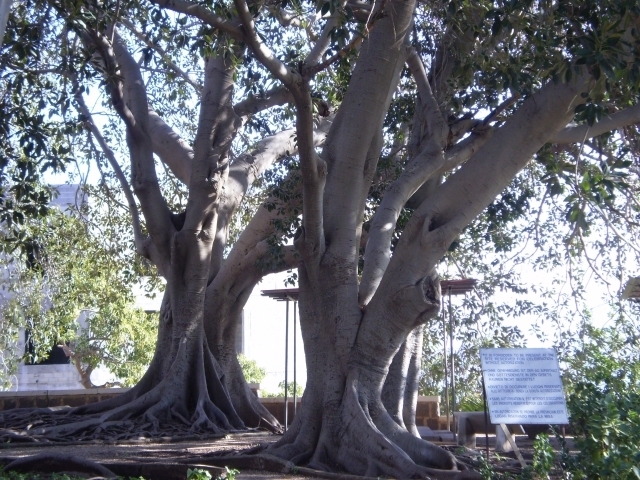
436, 124
144, 179
264, 55
358, 38
580, 133
198, 11
165, 57
271, 98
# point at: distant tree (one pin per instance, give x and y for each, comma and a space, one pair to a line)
77, 274
299, 389
253, 373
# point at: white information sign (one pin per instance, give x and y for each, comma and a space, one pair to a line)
523, 386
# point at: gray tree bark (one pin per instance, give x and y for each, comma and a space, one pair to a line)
362, 336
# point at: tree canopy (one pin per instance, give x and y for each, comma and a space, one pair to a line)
379, 137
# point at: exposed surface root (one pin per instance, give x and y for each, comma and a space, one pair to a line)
142, 418
293, 446
249, 408
298, 443
271, 463
350, 441
275, 464
420, 451
187, 401
43, 428
48, 462
160, 412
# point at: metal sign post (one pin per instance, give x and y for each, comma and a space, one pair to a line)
452, 287
446, 369
295, 384
486, 419
286, 370
453, 378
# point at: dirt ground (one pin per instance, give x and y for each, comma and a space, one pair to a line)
148, 453
167, 460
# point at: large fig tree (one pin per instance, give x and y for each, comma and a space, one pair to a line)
381, 130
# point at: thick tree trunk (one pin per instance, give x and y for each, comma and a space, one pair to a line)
343, 424
184, 385
186, 388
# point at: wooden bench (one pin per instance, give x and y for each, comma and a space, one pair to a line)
471, 424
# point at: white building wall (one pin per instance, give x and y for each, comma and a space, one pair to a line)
47, 377
264, 334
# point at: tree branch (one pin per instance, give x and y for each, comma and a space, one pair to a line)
464, 150
172, 150
217, 127
580, 133
322, 43
124, 184
410, 280
286, 18
253, 104
204, 14
144, 179
425, 165
165, 57
260, 50
436, 124
314, 68
441, 217
310, 240
378, 250
248, 167
262, 225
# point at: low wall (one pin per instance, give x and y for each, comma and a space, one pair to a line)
56, 398
427, 412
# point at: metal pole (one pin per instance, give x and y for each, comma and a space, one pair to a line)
486, 418
295, 384
453, 380
446, 368
286, 365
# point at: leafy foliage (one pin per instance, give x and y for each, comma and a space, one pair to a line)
77, 273
253, 373
604, 407
299, 390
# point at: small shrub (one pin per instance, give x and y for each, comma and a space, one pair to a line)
543, 460
230, 475
604, 407
253, 373
198, 474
